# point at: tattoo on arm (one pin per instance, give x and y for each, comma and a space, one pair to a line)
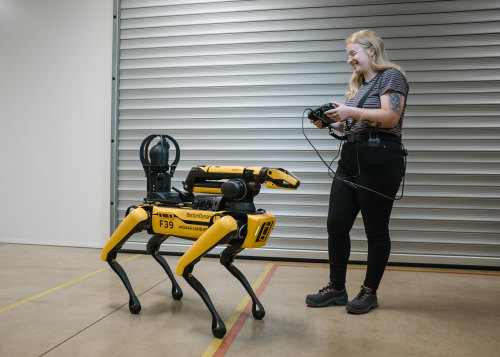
374, 123
395, 102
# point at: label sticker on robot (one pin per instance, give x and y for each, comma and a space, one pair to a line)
199, 215
166, 215
193, 228
166, 224
264, 232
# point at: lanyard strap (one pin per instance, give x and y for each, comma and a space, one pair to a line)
362, 101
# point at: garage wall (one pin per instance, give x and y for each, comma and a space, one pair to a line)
230, 79
55, 109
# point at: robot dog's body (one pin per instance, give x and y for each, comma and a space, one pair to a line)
229, 217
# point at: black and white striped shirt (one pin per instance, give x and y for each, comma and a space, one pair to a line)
390, 79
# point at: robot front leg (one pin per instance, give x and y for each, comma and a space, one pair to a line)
227, 259
221, 232
153, 247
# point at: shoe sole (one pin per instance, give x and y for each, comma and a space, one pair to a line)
334, 301
359, 312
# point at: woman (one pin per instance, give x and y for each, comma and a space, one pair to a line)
371, 157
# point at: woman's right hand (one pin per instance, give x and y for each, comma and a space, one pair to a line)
318, 123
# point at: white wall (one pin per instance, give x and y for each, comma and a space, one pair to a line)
55, 116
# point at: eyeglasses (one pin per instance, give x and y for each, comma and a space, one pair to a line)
352, 54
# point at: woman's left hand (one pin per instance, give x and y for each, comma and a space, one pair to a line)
341, 113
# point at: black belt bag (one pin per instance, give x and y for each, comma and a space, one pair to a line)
373, 136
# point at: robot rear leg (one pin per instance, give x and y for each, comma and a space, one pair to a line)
218, 326
227, 258
133, 303
153, 247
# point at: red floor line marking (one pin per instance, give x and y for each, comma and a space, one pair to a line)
301, 266
231, 335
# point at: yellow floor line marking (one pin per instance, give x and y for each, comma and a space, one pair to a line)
318, 265
62, 286
423, 270
416, 269
216, 342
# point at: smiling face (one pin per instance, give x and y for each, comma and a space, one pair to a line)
360, 59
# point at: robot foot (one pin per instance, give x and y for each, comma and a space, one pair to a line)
218, 327
133, 303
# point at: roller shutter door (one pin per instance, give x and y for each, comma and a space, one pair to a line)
229, 80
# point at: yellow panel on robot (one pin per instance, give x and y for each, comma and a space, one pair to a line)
224, 214
189, 223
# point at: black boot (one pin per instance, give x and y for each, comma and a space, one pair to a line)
363, 302
327, 296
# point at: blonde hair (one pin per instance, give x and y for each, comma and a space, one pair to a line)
379, 61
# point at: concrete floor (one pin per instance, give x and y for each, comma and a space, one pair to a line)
421, 313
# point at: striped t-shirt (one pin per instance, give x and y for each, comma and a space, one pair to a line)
390, 79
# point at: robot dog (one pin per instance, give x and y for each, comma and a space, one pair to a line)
225, 215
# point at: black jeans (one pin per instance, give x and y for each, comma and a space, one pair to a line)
380, 169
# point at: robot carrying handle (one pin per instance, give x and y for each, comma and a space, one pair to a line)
145, 149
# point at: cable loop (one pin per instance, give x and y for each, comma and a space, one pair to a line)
352, 184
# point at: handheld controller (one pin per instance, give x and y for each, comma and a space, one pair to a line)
319, 114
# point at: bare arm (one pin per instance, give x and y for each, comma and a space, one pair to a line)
388, 117
339, 126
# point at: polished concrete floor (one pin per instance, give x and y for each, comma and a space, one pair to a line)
423, 312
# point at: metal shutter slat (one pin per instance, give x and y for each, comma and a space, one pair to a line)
230, 79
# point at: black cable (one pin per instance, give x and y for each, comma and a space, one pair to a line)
328, 166
336, 156
352, 184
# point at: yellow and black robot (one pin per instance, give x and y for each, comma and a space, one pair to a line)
225, 214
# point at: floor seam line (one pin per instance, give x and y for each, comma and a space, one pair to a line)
34, 297
102, 318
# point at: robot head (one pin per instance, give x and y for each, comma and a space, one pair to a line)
158, 156
158, 171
